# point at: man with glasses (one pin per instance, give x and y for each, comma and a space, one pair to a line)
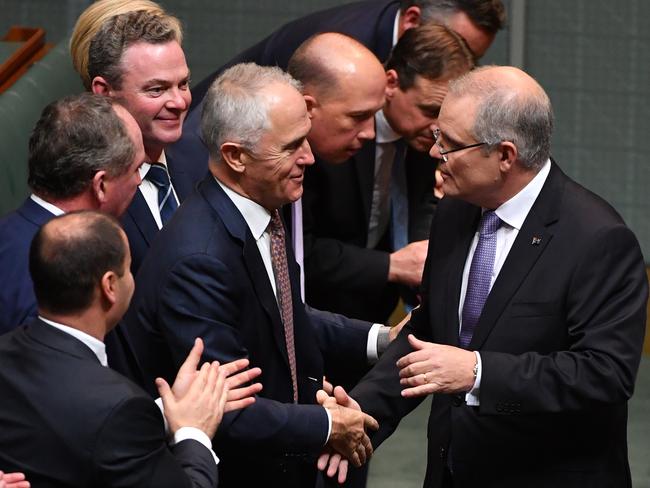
534, 307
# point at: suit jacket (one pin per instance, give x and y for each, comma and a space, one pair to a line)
17, 299
370, 22
67, 421
138, 223
204, 277
560, 339
341, 273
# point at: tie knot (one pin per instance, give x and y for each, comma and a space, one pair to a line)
490, 223
275, 225
158, 175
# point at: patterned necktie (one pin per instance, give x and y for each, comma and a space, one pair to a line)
480, 275
158, 175
283, 287
399, 209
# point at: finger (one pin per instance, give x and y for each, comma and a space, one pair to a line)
243, 392
342, 398
164, 390
417, 378
240, 378
322, 397
13, 477
422, 390
194, 356
333, 466
220, 393
321, 464
361, 452
354, 459
238, 404
369, 422
327, 386
367, 445
413, 358
343, 471
234, 366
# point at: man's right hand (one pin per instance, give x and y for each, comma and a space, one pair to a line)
407, 264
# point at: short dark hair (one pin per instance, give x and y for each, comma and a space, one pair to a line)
119, 32
490, 15
432, 51
68, 259
74, 138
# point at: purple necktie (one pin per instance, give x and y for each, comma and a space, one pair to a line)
283, 290
480, 275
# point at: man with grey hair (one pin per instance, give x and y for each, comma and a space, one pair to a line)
223, 269
534, 306
84, 154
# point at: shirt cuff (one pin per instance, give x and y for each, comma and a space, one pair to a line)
329, 426
159, 402
371, 347
198, 435
472, 396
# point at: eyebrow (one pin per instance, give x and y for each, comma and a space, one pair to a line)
296, 143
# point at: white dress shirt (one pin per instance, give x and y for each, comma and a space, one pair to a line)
512, 214
47, 205
99, 349
150, 191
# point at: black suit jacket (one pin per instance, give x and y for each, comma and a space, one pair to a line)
138, 223
67, 421
204, 277
341, 274
560, 339
370, 22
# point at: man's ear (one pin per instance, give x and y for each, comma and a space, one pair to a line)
508, 153
99, 86
98, 187
409, 19
392, 83
232, 154
107, 287
311, 103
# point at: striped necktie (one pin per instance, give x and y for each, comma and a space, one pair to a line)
159, 176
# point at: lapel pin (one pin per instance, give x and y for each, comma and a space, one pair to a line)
536, 241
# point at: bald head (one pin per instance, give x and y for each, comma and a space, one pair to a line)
70, 254
344, 85
509, 106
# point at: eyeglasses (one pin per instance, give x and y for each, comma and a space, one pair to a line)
443, 153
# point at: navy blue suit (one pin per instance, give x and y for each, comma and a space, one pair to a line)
369, 22
67, 421
138, 223
17, 229
17, 299
204, 277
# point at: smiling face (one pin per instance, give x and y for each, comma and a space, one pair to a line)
155, 90
274, 170
413, 112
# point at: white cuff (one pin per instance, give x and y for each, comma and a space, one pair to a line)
472, 396
329, 425
198, 435
371, 347
159, 402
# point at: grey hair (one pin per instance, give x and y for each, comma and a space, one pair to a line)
489, 15
235, 108
503, 114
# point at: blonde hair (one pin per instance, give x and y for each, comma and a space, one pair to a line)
91, 20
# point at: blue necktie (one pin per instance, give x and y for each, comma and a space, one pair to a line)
480, 275
158, 175
399, 212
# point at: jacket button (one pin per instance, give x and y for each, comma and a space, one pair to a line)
443, 451
457, 400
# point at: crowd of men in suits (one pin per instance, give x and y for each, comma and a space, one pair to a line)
272, 218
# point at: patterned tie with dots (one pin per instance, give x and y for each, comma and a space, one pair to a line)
283, 287
480, 275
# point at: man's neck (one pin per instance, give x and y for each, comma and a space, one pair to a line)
88, 321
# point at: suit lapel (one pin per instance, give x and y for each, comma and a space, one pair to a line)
34, 213
531, 241
364, 163
238, 229
53, 338
140, 214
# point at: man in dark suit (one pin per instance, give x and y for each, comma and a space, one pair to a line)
222, 269
361, 214
148, 75
531, 329
67, 419
84, 153
375, 24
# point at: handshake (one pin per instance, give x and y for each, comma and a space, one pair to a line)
348, 441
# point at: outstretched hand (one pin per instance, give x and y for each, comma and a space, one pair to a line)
13, 480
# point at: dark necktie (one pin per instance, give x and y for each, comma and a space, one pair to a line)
399, 209
480, 275
283, 288
158, 175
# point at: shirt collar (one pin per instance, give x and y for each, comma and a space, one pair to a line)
396, 27
53, 209
257, 217
514, 211
94, 344
144, 168
384, 132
